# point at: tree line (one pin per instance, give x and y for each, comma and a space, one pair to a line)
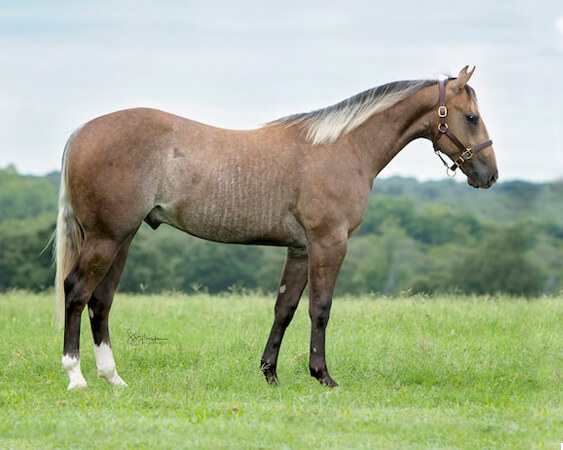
426, 237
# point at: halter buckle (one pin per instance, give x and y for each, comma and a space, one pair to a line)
442, 111
467, 154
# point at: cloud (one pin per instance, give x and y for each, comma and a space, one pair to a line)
239, 64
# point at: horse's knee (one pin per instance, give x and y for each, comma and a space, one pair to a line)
319, 312
284, 313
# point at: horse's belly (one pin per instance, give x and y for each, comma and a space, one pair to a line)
240, 198
243, 224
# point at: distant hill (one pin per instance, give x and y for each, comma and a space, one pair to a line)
434, 236
505, 202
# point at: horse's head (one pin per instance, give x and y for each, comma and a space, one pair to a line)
461, 133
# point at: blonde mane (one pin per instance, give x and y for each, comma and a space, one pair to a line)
326, 125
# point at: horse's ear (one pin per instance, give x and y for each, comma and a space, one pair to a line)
464, 75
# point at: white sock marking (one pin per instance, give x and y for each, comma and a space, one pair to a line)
106, 365
72, 367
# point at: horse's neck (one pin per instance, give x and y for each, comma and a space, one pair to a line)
385, 134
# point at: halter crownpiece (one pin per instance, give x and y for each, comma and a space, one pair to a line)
466, 152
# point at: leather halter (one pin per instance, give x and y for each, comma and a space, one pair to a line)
466, 152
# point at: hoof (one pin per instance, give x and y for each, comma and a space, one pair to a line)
273, 381
112, 378
78, 385
324, 378
328, 382
118, 381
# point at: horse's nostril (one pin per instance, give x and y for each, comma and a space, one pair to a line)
493, 178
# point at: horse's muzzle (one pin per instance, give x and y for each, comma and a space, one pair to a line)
483, 181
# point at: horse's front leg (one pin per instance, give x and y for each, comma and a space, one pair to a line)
292, 284
325, 258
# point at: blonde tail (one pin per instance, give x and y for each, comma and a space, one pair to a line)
68, 240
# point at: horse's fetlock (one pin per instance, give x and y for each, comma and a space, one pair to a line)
269, 370
71, 365
70, 362
317, 372
267, 366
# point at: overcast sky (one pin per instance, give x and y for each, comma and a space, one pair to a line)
241, 64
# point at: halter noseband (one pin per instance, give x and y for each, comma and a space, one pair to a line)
466, 153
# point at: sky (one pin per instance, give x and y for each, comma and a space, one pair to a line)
241, 64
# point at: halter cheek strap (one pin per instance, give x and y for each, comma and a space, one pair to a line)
443, 129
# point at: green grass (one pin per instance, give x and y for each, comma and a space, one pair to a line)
414, 373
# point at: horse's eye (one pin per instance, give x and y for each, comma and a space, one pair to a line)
472, 119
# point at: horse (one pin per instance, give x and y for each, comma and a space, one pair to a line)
300, 182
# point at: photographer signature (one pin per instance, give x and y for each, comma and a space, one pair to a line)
135, 339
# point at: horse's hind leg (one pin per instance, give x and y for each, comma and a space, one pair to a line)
292, 284
96, 257
98, 311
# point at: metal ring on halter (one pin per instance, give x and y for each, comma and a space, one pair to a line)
442, 127
449, 172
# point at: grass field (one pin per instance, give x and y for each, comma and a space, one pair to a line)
414, 373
